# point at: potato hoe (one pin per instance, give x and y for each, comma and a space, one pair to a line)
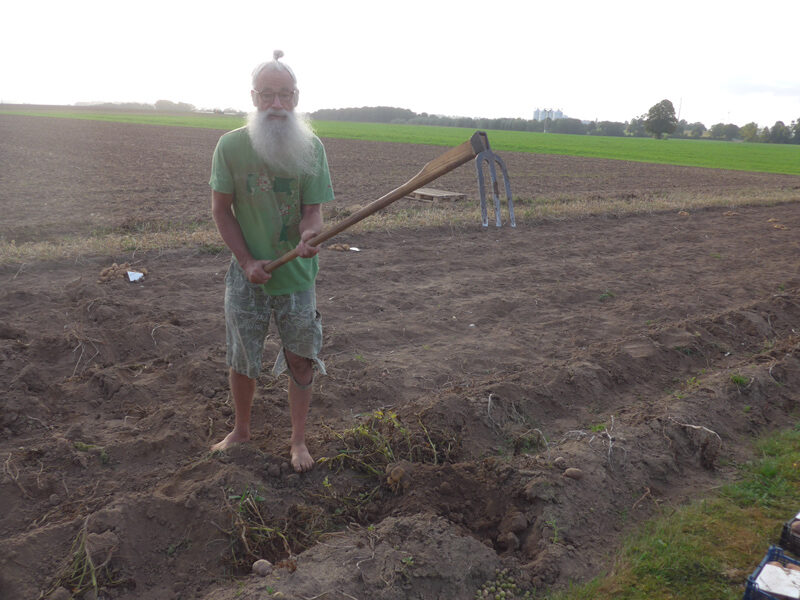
488, 156
476, 146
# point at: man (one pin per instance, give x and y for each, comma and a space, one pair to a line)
268, 180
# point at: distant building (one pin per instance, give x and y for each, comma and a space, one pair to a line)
541, 114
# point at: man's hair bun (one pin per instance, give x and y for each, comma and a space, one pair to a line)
277, 54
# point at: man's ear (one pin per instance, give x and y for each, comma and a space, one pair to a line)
254, 97
296, 97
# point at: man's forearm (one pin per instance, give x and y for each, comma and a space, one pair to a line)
231, 233
311, 220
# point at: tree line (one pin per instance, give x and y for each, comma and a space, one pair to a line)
660, 121
160, 105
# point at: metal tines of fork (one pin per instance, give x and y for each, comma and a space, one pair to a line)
492, 159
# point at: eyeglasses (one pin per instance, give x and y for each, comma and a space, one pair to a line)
269, 97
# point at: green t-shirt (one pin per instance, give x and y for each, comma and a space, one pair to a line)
267, 206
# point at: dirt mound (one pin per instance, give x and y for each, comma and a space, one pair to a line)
502, 399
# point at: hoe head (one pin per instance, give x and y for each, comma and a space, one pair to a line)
480, 142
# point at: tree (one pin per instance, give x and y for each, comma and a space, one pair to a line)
168, 105
661, 119
730, 131
749, 132
573, 126
636, 127
696, 130
610, 128
779, 134
796, 132
717, 131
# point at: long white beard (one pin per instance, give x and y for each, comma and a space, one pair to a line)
286, 145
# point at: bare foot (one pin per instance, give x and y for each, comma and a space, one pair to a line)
231, 439
301, 459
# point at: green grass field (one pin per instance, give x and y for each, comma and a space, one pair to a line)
766, 158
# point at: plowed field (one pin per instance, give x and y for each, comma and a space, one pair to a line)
531, 393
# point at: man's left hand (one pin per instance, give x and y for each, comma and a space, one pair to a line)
304, 249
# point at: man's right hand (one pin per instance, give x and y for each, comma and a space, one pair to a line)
254, 271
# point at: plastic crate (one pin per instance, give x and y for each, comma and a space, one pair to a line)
752, 591
790, 541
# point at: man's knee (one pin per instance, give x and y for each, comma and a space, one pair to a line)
300, 368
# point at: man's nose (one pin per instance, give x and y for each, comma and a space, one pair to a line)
276, 102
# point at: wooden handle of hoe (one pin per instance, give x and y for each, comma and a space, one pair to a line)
455, 157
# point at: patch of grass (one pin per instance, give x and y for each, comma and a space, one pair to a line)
739, 380
606, 295
706, 550
107, 243
699, 153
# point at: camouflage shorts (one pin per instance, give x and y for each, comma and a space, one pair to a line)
248, 310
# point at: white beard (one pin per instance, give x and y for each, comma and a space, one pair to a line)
286, 145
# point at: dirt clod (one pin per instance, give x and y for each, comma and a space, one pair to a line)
60, 593
262, 567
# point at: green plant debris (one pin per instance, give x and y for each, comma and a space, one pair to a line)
383, 439
81, 574
553, 524
255, 534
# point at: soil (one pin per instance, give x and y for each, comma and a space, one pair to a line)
544, 389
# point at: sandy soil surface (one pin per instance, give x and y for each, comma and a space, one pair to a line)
542, 389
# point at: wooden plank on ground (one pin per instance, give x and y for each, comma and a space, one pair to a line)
434, 194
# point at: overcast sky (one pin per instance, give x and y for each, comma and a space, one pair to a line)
717, 61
